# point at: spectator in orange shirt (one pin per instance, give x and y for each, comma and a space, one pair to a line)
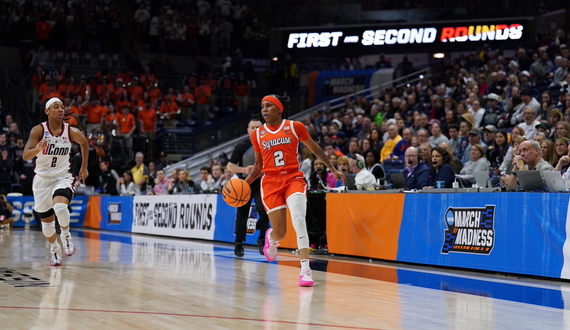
94, 113
186, 101
134, 89
213, 84
102, 74
81, 88
78, 109
38, 78
105, 89
68, 116
147, 79
52, 92
124, 101
242, 93
43, 90
203, 94
125, 75
154, 93
138, 105
119, 89
147, 125
111, 120
168, 111
43, 30
127, 126
66, 89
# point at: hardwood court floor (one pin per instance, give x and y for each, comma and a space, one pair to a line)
124, 281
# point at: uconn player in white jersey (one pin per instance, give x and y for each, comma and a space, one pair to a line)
53, 184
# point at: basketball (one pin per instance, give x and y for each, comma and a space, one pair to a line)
236, 192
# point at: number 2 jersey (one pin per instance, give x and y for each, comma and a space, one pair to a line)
54, 159
279, 146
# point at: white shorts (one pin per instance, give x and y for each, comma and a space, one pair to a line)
44, 187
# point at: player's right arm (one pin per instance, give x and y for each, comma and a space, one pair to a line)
256, 170
34, 145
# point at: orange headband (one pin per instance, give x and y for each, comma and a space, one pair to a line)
273, 100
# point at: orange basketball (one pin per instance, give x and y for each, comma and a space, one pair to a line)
236, 192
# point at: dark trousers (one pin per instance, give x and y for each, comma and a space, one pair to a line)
243, 214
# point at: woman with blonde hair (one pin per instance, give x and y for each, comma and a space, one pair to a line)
548, 152
184, 185
478, 163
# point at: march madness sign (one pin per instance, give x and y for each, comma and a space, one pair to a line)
469, 230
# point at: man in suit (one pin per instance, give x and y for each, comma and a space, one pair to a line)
416, 172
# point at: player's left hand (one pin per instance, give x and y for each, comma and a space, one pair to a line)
83, 174
338, 175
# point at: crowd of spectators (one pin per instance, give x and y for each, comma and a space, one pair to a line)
482, 112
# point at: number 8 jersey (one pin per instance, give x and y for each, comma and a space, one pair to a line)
279, 146
54, 159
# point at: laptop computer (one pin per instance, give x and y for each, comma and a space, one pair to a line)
399, 181
530, 180
554, 181
481, 178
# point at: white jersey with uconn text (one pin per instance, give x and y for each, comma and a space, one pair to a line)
54, 159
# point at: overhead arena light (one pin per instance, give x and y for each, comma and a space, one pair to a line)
438, 55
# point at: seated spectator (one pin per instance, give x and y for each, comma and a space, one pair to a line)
393, 139
561, 147
548, 153
402, 146
441, 169
126, 186
425, 153
529, 123
218, 175
320, 178
363, 179
184, 185
455, 162
478, 163
528, 159
437, 136
416, 171
343, 167
500, 152
6, 208
160, 183
373, 165
208, 184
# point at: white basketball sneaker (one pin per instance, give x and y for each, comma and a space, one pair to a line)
55, 256
270, 248
306, 278
68, 247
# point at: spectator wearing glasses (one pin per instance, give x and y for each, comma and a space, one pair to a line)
416, 171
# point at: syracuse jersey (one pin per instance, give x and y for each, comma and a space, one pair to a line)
279, 146
54, 159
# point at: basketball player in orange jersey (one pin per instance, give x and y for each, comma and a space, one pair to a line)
53, 184
276, 146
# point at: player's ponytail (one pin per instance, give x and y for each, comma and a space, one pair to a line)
285, 101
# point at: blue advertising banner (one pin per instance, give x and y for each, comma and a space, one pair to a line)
334, 84
23, 205
116, 213
506, 232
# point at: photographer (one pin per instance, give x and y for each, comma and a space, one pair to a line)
6, 220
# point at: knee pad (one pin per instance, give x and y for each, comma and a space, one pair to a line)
48, 228
62, 213
297, 205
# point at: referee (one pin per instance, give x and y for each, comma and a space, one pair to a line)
241, 163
